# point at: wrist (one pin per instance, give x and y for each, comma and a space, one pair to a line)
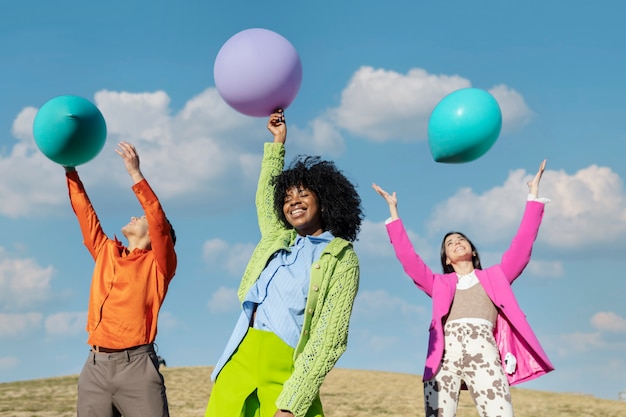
137, 178
280, 139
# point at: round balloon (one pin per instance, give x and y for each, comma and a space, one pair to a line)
257, 71
69, 130
464, 126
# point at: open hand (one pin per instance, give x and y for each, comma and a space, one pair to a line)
131, 160
533, 185
391, 199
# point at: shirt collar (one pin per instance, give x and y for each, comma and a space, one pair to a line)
327, 236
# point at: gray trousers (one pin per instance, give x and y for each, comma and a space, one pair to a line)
126, 383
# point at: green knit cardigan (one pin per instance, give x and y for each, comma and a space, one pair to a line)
333, 286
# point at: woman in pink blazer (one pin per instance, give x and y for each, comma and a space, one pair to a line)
479, 336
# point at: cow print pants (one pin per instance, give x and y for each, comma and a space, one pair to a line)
470, 356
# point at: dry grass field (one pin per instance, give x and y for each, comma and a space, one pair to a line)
345, 393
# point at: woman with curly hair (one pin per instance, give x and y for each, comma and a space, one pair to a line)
297, 290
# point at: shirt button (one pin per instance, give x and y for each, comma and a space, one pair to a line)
310, 311
306, 332
317, 266
316, 288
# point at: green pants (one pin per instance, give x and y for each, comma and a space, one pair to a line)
250, 382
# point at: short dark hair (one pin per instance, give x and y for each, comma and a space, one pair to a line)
339, 202
475, 257
172, 232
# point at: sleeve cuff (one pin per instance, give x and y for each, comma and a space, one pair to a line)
543, 200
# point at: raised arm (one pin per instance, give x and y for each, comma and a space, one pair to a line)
412, 263
159, 227
517, 256
272, 165
533, 185
91, 229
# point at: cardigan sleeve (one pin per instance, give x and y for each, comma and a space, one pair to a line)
271, 166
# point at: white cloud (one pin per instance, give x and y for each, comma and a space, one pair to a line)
382, 105
16, 325
65, 324
193, 144
142, 116
515, 112
609, 322
30, 190
320, 137
492, 215
588, 209
223, 300
193, 157
22, 282
232, 258
207, 146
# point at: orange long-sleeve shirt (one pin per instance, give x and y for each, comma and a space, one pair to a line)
127, 289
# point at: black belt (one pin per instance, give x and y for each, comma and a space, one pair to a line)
101, 349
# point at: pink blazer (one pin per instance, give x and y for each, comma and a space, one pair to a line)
512, 332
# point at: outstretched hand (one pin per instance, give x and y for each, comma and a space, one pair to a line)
533, 185
131, 160
277, 127
391, 199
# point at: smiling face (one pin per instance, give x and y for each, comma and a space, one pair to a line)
302, 211
457, 248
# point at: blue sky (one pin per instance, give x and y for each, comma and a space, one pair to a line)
372, 72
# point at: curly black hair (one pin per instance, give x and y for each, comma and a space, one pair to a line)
339, 202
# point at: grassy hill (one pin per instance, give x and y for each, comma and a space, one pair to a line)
345, 393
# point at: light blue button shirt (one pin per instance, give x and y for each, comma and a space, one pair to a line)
280, 294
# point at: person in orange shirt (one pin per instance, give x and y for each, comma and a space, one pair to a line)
129, 283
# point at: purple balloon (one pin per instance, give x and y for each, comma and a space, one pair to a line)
257, 71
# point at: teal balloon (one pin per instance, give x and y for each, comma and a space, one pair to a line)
69, 130
464, 126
